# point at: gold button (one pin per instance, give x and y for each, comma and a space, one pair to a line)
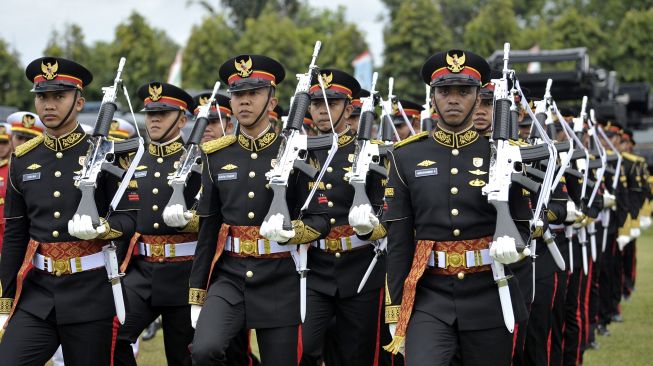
454, 171
332, 221
55, 234
59, 155
456, 232
454, 190
454, 212
455, 152
250, 194
155, 190
330, 204
252, 174
250, 215
156, 225
254, 155
337, 255
159, 160
57, 214
461, 275
329, 169
157, 174
56, 194
249, 274
57, 174
329, 186
155, 208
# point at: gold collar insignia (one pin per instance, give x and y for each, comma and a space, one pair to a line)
455, 139
64, 142
168, 148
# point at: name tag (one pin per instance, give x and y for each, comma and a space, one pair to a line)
31, 176
426, 172
140, 174
227, 176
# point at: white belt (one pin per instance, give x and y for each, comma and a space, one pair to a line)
167, 250
340, 244
68, 266
256, 247
472, 258
556, 226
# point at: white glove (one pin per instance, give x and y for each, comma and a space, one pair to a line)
635, 232
362, 219
504, 250
272, 229
644, 222
3, 320
194, 314
609, 200
82, 227
622, 241
572, 212
175, 216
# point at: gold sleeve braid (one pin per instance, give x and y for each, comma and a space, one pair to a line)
109, 233
391, 311
193, 225
378, 233
5, 305
303, 233
551, 216
196, 296
625, 230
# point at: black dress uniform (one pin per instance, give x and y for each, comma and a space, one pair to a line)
65, 298
439, 228
160, 257
338, 263
241, 279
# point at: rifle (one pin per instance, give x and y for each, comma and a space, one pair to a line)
190, 160
427, 120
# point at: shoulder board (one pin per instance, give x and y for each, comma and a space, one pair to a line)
29, 146
518, 143
377, 142
215, 145
631, 157
413, 138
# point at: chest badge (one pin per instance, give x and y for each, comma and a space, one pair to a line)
419, 173
229, 167
477, 162
476, 183
426, 163
33, 167
477, 172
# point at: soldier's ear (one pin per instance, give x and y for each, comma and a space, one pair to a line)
272, 103
79, 103
182, 120
348, 110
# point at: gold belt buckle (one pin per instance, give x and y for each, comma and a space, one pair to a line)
248, 247
333, 245
61, 267
158, 250
454, 260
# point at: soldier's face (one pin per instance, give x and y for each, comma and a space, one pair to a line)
251, 106
5, 149
214, 130
53, 106
483, 114
160, 125
353, 123
455, 103
339, 110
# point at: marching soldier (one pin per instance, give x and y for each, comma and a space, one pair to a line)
355, 115
219, 125
24, 126
5, 154
443, 296
159, 257
338, 263
275, 118
121, 129
484, 110
413, 112
54, 290
243, 273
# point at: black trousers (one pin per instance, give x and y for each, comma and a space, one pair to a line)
536, 351
29, 340
595, 287
573, 321
617, 283
177, 331
629, 267
431, 342
606, 281
220, 322
558, 313
357, 326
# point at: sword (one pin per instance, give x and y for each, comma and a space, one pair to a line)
533, 257
606, 222
569, 234
591, 229
504, 294
303, 271
111, 265
582, 238
383, 244
553, 249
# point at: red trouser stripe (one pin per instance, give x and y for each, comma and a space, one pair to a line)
553, 300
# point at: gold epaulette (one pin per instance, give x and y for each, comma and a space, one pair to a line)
218, 144
518, 143
413, 138
632, 157
29, 145
377, 142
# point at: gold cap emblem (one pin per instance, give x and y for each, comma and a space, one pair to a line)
203, 100
155, 92
456, 64
49, 70
114, 125
28, 121
327, 80
244, 67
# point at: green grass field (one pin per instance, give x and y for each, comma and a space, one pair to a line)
630, 344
